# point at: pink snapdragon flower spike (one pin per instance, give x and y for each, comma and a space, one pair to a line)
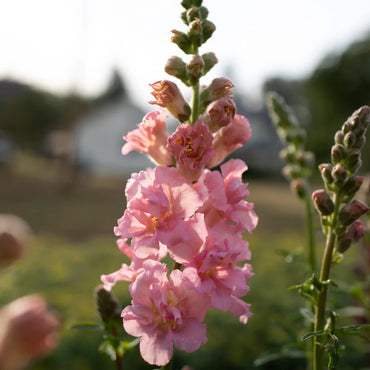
168, 95
230, 138
192, 147
28, 329
164, 312
150, 137
159, 203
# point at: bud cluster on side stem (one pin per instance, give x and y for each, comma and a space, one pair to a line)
339, 212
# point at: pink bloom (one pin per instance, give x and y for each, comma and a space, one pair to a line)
164, 313
214, 272
220, 113
150, 137
230, 138
192, 148
224, 197
27, 330
159, 203
168, 95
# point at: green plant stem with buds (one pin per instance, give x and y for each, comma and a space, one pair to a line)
318, 348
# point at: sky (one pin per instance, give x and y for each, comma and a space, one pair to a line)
73, 45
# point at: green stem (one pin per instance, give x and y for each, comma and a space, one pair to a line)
324, 277
195, 105
311, 258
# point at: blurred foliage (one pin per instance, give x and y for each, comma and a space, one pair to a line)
324, 100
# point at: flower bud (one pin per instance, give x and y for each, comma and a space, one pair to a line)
364, 115
218, 88
192, 14
208, 28
176, 67
360, 141
189, 3
195, 68
292, 171
349, 140
323, 202
220, 113
294, 136
168, 95
288, 155
353, 233
352, 211
196, 32
354, 160
203, 13
338, 137
339, 173
352, 186
325, 170
298, 186
107, 305
338, 153
182, 40
210, 61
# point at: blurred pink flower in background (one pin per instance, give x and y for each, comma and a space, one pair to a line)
28, 329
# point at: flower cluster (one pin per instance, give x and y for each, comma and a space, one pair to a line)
185, 210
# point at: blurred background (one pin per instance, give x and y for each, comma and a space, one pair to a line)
74, 79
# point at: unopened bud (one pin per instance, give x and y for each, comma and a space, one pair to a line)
189, 3
323, 202
292, 172
107, 305
354, 161
364, 115
218, 88
296, 136
338, 153
203, 13
192, 14
195, 68
196, 32
338, 137
298, 186
208, 29
182, 40
288, 155
176, 67
210, 61
339, 173
352, 211
325, 170
353, 233
349, 139
305, 159
352, 186
360, 141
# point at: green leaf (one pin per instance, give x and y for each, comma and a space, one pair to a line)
277, 356
314, 334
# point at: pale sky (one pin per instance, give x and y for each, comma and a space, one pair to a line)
63, 45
